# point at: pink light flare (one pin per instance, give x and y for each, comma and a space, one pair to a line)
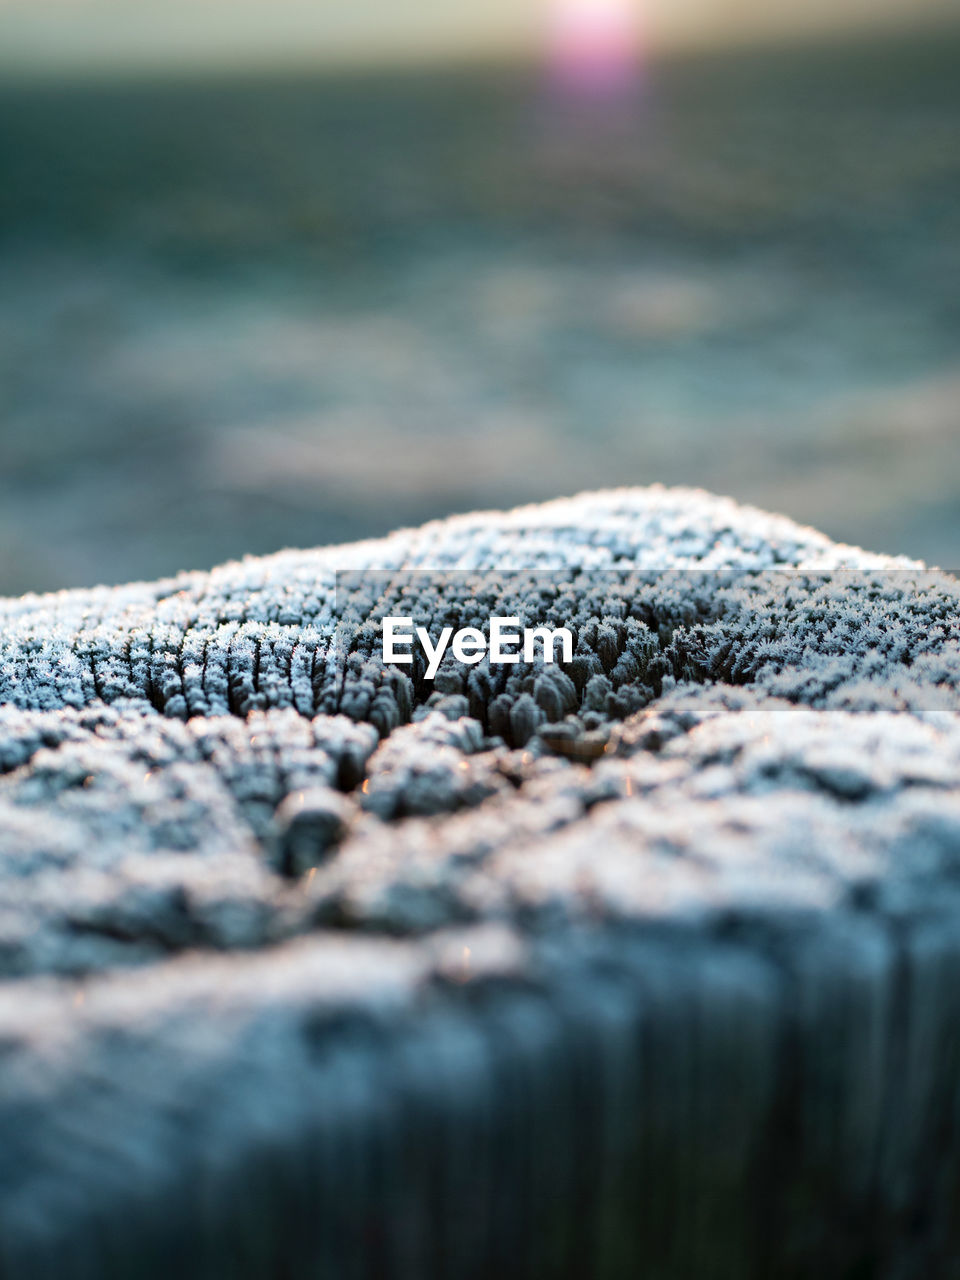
593, 46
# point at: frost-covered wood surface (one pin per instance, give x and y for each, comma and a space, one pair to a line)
651, 967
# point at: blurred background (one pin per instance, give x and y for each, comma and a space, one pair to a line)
279, 273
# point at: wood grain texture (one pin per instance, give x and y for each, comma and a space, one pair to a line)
308, 971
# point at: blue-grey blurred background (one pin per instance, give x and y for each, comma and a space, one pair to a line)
283, 273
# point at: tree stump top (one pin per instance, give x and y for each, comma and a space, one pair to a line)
310, 967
